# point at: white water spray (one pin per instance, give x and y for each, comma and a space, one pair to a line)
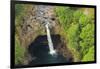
52, 51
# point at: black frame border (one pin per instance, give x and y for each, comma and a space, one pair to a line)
12, 32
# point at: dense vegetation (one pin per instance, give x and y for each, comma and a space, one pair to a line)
78, 25
19, 52
20, 11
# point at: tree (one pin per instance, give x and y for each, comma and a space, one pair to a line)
90, 55
79, 29
87, 38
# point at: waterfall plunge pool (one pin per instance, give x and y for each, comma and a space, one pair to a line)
39, 49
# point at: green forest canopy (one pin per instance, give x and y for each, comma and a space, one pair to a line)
78, 24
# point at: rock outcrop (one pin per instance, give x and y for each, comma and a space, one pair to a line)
33, 25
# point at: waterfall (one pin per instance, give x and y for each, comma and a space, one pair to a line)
45, 20
50, 43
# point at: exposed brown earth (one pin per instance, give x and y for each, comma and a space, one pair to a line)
31, 28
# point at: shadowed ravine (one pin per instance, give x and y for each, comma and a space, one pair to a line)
39, 51
50, 34
41, 47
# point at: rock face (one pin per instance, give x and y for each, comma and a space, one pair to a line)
45, 13
33, 25
40, 55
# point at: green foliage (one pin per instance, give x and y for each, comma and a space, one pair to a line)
18, 9
73, 40
79, 29
64, 16
87, 32
76, 16
87, 36
90, 55
21, 11
73, 36
84, 20
19, 52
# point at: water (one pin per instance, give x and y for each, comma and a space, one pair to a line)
39, 49
41, 11
50, 43
42, 14
42, 48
